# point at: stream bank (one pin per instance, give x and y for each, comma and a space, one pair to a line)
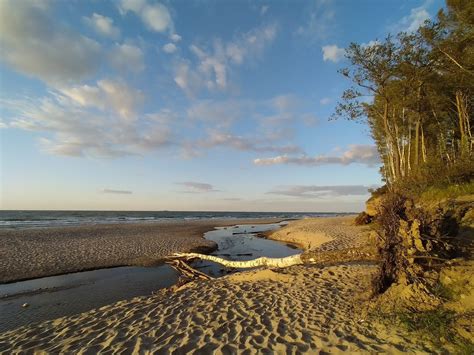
63, 295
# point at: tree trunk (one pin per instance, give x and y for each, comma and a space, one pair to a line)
423, 146
263, 261
464, 125
417, 145
367, 253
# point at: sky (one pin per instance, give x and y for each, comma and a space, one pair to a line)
186, 105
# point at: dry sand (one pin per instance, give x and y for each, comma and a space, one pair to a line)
295, 310
316, 233
32, 253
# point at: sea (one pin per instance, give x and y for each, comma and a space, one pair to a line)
37, 219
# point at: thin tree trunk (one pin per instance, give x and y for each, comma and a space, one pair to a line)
417, 144
423, 147
409, 148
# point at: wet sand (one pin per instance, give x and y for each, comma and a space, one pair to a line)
294, 310
33, 253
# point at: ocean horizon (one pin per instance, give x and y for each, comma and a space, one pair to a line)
58, 218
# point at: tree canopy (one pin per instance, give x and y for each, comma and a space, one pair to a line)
416, 93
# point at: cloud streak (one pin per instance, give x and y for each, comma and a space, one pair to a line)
197, 187
361, 154
117, 192
315, 191
100, 121
414, 20
248, 144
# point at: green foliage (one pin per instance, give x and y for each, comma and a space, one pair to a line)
449, 192
421, 111
444, 292
438, 326
379, 191
437, 323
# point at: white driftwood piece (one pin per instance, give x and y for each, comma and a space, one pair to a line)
263, 261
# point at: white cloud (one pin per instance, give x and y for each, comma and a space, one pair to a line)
319, 22
272, 132
196, 187
219, 113
414, 20
333, 53
105, 119
169, 48
264, 9
102, 25
127, 57
284, 103
212, 65
35, 44
314, 191
187, 79
131, 5
361, 154
247, 144
164, 116
155, 16
101, 121
175, 37
325, 101
108, 95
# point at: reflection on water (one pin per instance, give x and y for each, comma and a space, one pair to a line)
241, 243
58, 296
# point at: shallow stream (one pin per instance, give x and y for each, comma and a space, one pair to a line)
57, 296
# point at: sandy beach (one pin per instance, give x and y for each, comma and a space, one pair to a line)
39, 252
293, 310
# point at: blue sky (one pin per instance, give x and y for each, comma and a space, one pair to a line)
186, 105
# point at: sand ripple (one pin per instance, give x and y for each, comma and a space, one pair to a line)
302, 309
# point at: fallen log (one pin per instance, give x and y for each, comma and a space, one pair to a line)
262, 261
365, 253
187, 271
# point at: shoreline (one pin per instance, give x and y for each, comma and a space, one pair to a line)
303, 308
33, 253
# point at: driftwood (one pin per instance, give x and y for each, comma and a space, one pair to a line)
187, 271
263, 261
366, 253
